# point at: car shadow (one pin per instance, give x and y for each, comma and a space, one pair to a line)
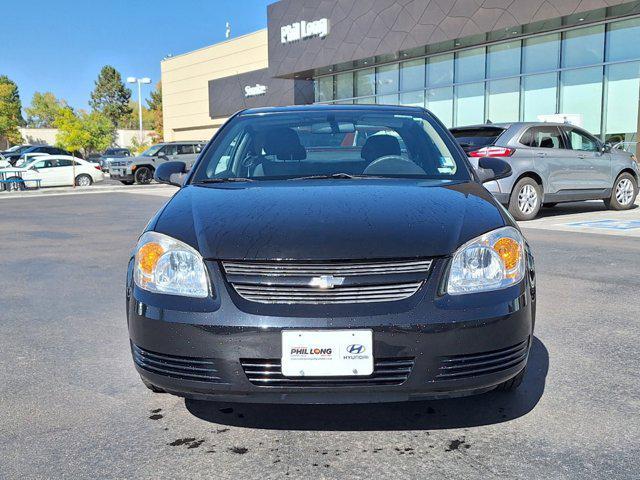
486, 409
576, 207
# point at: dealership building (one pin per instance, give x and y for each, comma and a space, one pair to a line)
467, 61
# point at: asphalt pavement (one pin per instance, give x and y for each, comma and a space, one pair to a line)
72, 405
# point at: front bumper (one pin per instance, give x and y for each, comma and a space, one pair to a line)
206, 349
120, 174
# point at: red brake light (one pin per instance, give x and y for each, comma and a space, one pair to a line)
98, 167
493, 152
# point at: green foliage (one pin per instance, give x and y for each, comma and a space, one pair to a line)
155, 107
110, 95
10, 110
137, 147
44, 109
130, 121
86, 132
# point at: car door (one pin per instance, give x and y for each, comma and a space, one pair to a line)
44, 170
65, 172
546, 145
595, 164
186, 153
167, 153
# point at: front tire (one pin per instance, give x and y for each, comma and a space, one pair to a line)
84, 180
513, 383
16, 184
143, 175
151, 386
526, 199
624, 193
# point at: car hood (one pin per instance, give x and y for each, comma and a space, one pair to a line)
329, 219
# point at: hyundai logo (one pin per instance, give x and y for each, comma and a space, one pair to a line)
326, 281
355, 349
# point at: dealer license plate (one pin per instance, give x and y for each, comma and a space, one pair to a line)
327, 353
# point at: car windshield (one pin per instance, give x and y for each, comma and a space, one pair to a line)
18, 148
340, 143
150, 152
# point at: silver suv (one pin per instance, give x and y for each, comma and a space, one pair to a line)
140, 169
552, 163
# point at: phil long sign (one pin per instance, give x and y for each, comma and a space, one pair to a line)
301, 30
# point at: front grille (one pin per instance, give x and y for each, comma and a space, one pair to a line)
326, 283
364, 294
187, 368
343, 269
472, 365
386, 371
117, 163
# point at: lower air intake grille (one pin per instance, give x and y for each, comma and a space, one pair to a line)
187, 368
472, 365
386, 371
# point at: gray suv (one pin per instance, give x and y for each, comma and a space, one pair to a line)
552, 163
140, 169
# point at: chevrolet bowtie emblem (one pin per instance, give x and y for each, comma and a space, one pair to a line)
326, 281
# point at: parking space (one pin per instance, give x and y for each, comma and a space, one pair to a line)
588, 217
73, 406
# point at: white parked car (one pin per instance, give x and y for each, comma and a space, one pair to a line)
55, 171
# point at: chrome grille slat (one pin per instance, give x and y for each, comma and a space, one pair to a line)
364, 282
268, 373
311, 269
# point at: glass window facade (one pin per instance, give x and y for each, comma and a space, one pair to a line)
593, 71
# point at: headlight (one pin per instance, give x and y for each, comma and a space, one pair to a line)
166, 265
492, 261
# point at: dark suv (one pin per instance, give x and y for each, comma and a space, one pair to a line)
293, 267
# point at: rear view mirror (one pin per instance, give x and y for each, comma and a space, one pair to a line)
171, 173
493, 169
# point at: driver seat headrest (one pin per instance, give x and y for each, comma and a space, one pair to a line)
380, 146
284, 143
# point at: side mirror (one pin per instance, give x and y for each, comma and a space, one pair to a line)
161, 155
606, 148
171, 173
491, 168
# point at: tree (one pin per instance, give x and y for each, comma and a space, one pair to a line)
44, 109
130, 120
110, 95
86, 132
154, 102
10, 110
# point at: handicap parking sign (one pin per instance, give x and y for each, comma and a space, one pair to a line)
608, 224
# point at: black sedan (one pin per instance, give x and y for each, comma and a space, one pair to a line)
331, 254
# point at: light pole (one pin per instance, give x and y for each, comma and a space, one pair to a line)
139, 81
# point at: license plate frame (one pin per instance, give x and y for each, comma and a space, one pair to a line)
327, 353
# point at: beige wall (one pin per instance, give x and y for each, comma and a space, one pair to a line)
185, 83
47, 136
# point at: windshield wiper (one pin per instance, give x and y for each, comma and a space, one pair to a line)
332, 175
225, 180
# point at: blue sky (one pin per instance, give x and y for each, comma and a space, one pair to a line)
60, 46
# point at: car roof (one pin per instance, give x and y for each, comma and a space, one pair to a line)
513, 124
325, 107
55, 157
